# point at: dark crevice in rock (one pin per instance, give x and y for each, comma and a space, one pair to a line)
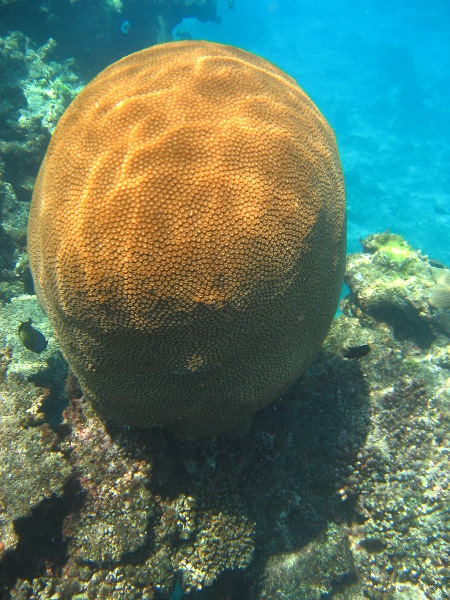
56, 401
228, 586
41, 547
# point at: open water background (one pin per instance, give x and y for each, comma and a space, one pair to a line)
379, 70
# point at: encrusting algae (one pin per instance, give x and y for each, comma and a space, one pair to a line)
187, 236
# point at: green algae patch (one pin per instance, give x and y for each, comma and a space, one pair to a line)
392, 251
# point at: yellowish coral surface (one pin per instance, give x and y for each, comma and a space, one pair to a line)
187, 235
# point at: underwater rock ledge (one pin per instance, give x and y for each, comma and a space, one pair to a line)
98, 33
339, 489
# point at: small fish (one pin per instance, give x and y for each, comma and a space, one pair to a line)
31, 338
356, 352
125, 27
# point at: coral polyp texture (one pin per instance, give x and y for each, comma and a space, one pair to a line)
187, 236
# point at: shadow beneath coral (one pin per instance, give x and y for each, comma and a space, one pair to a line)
288, 475
208, 514
41, 548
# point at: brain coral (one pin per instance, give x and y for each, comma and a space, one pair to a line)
187, 236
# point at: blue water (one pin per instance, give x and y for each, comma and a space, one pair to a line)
379, 70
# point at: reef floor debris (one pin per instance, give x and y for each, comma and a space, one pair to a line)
340, 488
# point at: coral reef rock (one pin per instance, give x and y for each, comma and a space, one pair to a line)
392, 282
340, 488
32, 471
35, 91
311, 572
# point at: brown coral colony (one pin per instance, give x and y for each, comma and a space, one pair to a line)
187, 236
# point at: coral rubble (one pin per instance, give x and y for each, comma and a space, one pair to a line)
339, 489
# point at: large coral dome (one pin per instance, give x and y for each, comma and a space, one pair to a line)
187, 236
